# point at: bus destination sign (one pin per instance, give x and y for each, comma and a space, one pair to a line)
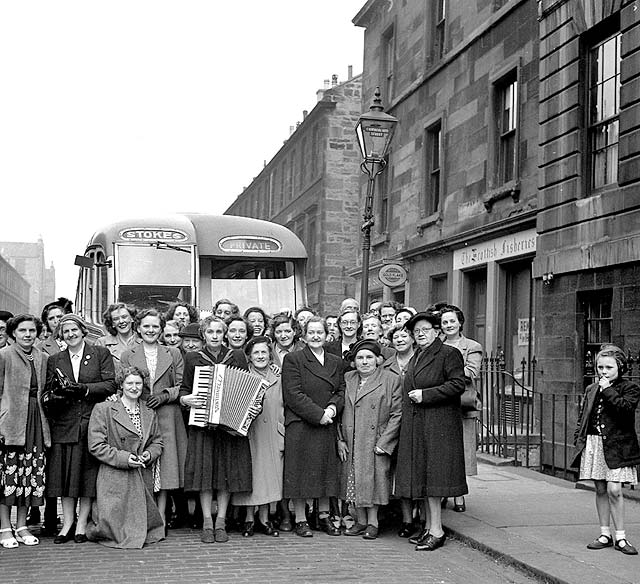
249, 244
152, 234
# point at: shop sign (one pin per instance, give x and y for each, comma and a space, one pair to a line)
153, 234
392, 275
249, 244
495, 250
524, 326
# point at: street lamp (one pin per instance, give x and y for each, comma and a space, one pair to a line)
374, 131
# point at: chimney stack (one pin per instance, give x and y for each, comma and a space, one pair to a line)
305, 113
350, 72
334, 80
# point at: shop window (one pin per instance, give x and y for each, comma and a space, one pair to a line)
433, 167
604, 109
439, 290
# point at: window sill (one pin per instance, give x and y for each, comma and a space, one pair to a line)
379, 239
428, 221
510, 189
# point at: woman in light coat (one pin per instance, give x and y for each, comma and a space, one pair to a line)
24, 431
370, 429
266, 440
163, 367
452, 320
124, 436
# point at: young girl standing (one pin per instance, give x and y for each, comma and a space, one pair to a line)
607, 444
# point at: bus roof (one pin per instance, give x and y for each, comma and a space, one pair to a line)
215, 235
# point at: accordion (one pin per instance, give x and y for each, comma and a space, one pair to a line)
229, 393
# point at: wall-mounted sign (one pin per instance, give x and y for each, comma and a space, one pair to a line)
153, 234
392, 275
495, 250
249, 244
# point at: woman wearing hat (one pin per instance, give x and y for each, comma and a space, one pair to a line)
51, 315
72, 470
266, 440
370, 427
430, 450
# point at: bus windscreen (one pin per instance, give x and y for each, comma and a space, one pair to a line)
255, 282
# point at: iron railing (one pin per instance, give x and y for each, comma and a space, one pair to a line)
532, 427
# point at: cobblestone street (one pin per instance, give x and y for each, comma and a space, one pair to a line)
183, 559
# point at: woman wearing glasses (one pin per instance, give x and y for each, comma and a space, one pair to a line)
430, 452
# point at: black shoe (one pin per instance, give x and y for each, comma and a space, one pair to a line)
626, 547
248, 529
356, 529
371, 532
328, 527
601, 542
303, 529
33, 518
406, 530
460, 508
48, 530
285, 525
64, 538
267, 528
80, 538
419, 538
431, 543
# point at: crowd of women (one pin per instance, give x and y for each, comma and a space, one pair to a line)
360, 408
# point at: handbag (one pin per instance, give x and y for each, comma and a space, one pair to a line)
470, 400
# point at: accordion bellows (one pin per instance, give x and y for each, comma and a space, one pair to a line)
229, 393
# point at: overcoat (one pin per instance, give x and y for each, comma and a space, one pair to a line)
15, 378
266, 440
311, 463
168, 378
430, 449
124, 513
472, 357
117, 347
71, 469
371, 417
97, 372
619, 438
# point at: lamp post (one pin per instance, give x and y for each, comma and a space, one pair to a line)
374, 130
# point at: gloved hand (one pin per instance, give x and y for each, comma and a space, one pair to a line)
157, 399
76, 390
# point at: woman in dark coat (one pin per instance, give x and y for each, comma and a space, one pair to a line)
124, 435
430, 451
313, 392
216, 460
607, 444
72, 470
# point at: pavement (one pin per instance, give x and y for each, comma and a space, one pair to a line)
542, 524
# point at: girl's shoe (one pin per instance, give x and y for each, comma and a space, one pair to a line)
460, 508
26, 538
622, 545
600, 542
8, 542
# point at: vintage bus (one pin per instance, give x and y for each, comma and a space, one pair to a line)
193, 258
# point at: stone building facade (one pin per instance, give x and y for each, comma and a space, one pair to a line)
589, 201
28, 260
14, 289
457, 203
311, 186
